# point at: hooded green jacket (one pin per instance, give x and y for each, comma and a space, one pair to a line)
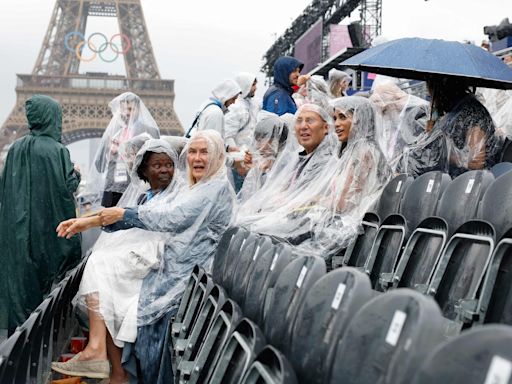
36, 192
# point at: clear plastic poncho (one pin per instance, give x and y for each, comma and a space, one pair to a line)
270, 136
109, 172
192, 223
400, 119
120, 260
470, 134
318, 92
499, 104
335, 78
292, 173
325, 216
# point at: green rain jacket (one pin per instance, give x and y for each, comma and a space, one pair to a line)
36, 191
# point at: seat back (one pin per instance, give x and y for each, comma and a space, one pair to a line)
419, 202
263, 279
221, 254
323, 316
199, 370
421, 198
250, 256
211, 307
387, 339
496, 299
270, 367
461, 269
195, 276
222, 275
11, 353
501, 168
242, 347
480, 355
290, 289
460, 201
496, 204
389, 201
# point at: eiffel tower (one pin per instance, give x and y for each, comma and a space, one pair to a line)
84, 97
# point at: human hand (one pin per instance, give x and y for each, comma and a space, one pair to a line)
233, 149
71, 227
111, 215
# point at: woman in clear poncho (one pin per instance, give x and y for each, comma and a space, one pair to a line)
459, 136
326, 216
112, 279
109, 177
191, 223
400, 119
270, 135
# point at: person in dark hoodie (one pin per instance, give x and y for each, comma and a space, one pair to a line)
37, 194
278, 98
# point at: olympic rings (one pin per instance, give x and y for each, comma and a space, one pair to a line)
97, 52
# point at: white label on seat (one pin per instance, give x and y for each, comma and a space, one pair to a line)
302, 275
274, 261
398, 186
395, 329
430, 186
338, 296
499, 371
256, 253
469, 188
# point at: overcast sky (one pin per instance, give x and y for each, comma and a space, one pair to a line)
200, 43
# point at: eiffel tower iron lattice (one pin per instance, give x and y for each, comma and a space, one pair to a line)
84, 97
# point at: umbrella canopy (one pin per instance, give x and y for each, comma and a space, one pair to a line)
423, 59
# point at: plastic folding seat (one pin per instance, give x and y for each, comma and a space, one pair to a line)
46, 308
198, 298
294, 282
245, 267
387, 339
188, 348
220, 274
11, 353
59, 338
457, 282
495, 304
270, 367
242, 347
244, 256
322, 318
196, 275
198, 370
459, 275
419, 202
29, 365
263, 279
501, 168
221, 253
389, 202
478, 356
458, 204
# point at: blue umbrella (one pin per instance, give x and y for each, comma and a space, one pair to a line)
423, 59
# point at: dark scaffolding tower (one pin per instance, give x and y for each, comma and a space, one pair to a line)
331, 12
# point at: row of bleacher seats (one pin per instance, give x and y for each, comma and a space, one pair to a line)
26, 356
266, 316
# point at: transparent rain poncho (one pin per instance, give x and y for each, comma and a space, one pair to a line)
270, 136
400, 119
120, 260
334, 80
325, 216
292, 173
130, 118
470, 135
193, 224
499, 104
318, 92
